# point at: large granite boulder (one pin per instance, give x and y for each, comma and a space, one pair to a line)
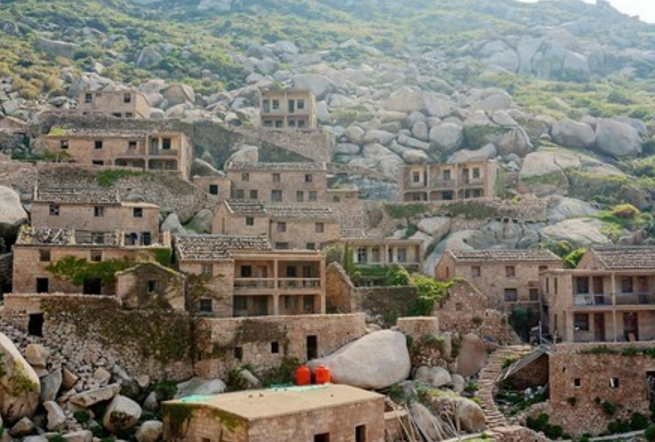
579, 231
150, 431
434, 376
472, 356
375, 361
446, 137
566, 208
178, 94
617, 139
12, 214
470, 415
437, 227
200, 387
202, 221
320, 85
122, 414
569, 133
20, 388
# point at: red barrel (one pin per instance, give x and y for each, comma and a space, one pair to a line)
303, 376
322, 375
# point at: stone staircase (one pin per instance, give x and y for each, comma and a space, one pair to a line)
488, 378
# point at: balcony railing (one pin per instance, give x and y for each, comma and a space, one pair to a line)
279, 283
299, 283
254, 283
588, 299
635, 299
163, 152
472, 182
619, 299
443, 184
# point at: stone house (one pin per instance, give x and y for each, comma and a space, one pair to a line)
94, 210
241, 218
150, 285
610, 296
509, 278
244, 276
343, 195
302, 227
450, 181
279, 183
585, 377
36, 249
118, 102
217, 185
288, 109
384, 252
149, 151
295, 414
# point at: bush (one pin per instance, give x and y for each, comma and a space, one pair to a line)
618, 427
538, 424
626, 211
638, 422
553, 432
650, 433
82, 417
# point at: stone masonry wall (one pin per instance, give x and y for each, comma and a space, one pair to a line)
264, 342
6, 266
339, 291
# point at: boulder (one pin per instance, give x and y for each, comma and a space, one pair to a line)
567, 208
569, 133
436, 227
405, 100
378, 136
413, 156
425, 421
434, 376
35, 439
91, 397
203, 168
459, 384
542, 175
346, 149
202, 222
79, 436
245, 154
446, 137
355, 134
178, 94
19, 384
472, 356
68, 378
420, 131
56, 416
122, 414
150, 431
200, 387
56, 47
23, 427
12, 215
172, 224
486, 152
37, 355
617, 139
285, 47
580, 232
413, 143
479, 131
470, 415
320, 85
375, 361
50, 385
102, 375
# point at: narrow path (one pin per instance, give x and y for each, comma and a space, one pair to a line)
487, 382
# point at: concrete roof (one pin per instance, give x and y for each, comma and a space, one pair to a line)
263, 404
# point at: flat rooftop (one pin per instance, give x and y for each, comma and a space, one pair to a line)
263, 404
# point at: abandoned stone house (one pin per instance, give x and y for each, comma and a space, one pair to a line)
509, 278
218, 185
94, 210
369, 251
288, 109
584, 377
36, 249
450, 181
244, 276
118, 102
279, 183
149, 151
241, 218
610, 296
150, 285
296, 414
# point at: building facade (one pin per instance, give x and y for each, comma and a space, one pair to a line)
279, 183
384, 252
156, 151
115, 102
302, 227
288, 109
508, 278
449, 181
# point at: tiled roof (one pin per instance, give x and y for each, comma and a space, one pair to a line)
97, 133
216, 247
617, 258
310, 213
273, 167
76, 195
246, 207
513, 255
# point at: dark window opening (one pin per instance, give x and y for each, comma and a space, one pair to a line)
614, 382
131, 145
98, 162
92, 286
166, 143
275, 347
360, 433
213, 189
146, 240
96, 255
98, 144
88, 98
325, 437
238, 353
54, 210
312, 347
42, 285
246, 271
250, 221
64, 144
35, 325
137, 212
206, 305
577, 382
44, 255
152, 286
127, 98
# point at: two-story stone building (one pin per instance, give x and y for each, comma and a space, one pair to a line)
374, 252
244, 276
118, 102
148, 151
288, 109
94, 210
507, 277
449, 181
610, 296
279, 183
302, 227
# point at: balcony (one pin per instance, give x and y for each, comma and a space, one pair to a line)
443, 184
619, 299
592, 300
472, 182
298, 283
635, 299
269, 284
254, 284
163, 153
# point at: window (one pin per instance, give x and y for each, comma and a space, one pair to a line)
581, 322
312, 195
42, 285
275, 347
360, 433
245, 177
127, 98
292, 106
278, 123
309, 178
577, 382
276, 195
614, 383
582, 285
96, 255
475, 271
246, 271
311, 246
319, 227
267, 106
98, 211
207, 269
476, 172
131, 145
276, 104
152, 286
213, 189
88, 98
300, 104
282, 245
137, 212
325, 437
238, 194
116, 115
445, 175
146, 240
281, 227
300, 196
35, 324
511, 295
64, 144
250, 221
534, 294
510, 271
129, 114
301, 123
98, 163
54, 210
416, 177
254, 194
276, 178
362, 256
401, 255
555, 281
447, 195
268, 123
308, 304
626, 284
238, 353
206, 305
98, 144
547, 285
44, 255
166, 143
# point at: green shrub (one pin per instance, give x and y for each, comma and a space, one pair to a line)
553, 432
57, 438
82, 417
626, 211
650, 433
618, 427
538, 424
638, 422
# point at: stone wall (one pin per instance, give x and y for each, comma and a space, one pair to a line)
339, 289
515, 434
95, 330
585, 376
314, 145
6, 267
265, 342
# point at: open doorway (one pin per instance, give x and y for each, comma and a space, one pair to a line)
35, 325
312, 347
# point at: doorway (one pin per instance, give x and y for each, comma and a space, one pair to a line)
631, 326
92, 286
35, 325
599, 327
312, 347
325, 437
42, 285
